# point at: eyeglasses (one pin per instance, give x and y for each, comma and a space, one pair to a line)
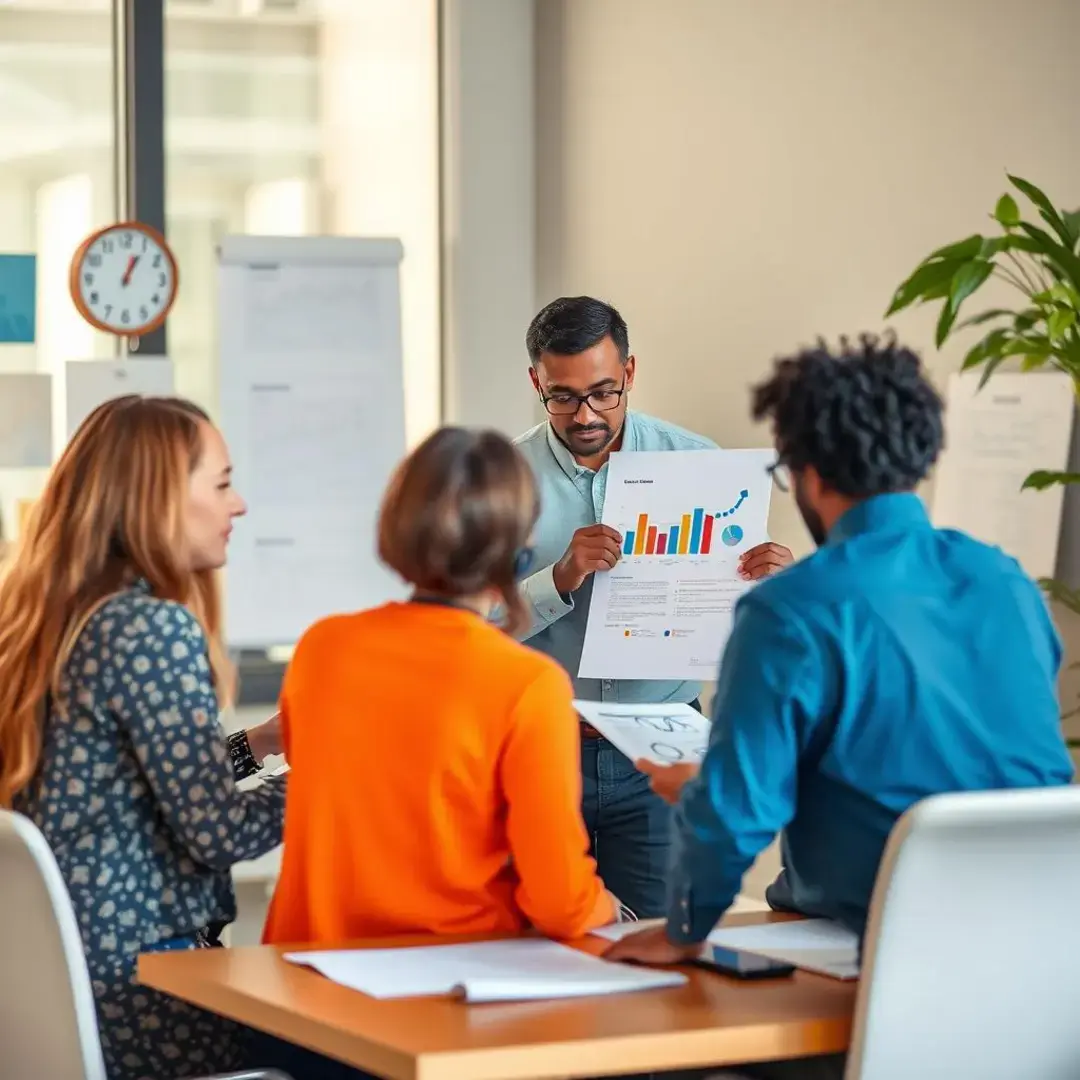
597, 400
781, 475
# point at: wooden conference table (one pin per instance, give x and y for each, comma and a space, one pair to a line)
712, 1021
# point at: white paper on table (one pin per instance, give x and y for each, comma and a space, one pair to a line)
817, 945
658, 615
517, 970
665, 734
90, 383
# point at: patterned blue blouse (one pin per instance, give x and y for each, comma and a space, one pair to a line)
137, 797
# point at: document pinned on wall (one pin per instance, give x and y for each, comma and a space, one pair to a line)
665, 610
665, 734
312, 405
26, 422
996, 437
488, 971
90, 383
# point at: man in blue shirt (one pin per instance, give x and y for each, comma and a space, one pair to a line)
583, 372
897, 662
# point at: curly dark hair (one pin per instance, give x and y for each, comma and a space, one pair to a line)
866, 418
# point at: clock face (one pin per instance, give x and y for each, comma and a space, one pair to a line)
124, 279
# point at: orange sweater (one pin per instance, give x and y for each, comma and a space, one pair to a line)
435, 784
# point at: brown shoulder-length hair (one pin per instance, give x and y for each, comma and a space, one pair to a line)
112, 512
457, 514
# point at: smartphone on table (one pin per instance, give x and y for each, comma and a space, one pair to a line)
741, 965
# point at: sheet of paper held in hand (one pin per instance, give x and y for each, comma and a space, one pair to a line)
665, 734
665, 610
488, 971
818, 945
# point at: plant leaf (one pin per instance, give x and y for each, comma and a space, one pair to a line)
1061, 593
944, 323
1072, 223
1007, 212
1060, 321
929, 281
1047, 211
1041, 479
1062, 258
1033, 363
992, 365
966, 280
964, 249
986, 316
987, 347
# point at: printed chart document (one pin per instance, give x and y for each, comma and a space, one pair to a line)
998, 436
818, 945
665, 610
665, 734
488, 971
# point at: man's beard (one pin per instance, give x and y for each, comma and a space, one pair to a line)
811, 518
570, 440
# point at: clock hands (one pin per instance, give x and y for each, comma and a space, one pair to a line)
130, 267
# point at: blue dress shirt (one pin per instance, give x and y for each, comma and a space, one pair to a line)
572, 497
897, 662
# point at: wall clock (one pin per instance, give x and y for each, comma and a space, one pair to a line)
124, 279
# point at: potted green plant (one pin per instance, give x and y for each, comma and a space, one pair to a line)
1041, 261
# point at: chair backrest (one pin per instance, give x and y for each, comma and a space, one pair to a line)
48, 1025
971, 965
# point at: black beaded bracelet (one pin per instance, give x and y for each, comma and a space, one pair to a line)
243, 760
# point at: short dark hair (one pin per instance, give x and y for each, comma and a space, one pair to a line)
457, 513
866, 418
572, 324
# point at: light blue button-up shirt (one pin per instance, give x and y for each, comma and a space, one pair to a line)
571, 498
898, 661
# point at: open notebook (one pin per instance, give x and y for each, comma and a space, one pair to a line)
516, 970
817, 945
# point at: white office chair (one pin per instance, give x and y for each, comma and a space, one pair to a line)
48, 1025
971, 966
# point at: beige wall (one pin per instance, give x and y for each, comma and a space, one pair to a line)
739, 178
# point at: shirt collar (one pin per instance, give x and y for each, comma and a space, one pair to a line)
883, 513
566, 460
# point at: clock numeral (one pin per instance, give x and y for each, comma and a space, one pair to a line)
125, 316
145, 243
94, 261
161, 280
126, 241
157, 262
108, 247
143, 313
155, 299
94, 298
108, 310
88, 279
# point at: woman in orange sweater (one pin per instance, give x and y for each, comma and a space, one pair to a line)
435, 785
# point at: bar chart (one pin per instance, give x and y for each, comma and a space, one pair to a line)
691, 534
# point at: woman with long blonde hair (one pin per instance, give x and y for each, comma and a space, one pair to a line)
112, 674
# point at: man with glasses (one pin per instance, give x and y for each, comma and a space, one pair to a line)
582, 369
897, 662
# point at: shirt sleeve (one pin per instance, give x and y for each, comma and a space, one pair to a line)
559, 890
767, 698
162, 691
546, 603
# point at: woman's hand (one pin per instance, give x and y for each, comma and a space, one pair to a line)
265, 739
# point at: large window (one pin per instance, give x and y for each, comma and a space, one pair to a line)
56, 178
290, 117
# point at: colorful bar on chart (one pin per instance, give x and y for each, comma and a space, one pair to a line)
684, 535
673, 541
650, 541
639, 535
706, 535
628, 543
661, 544
695, 535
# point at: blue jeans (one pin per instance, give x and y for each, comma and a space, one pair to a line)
629, 828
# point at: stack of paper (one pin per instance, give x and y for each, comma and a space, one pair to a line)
817, 945
516, 970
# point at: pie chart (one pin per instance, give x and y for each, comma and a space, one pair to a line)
732, 535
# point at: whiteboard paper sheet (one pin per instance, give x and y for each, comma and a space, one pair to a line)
90, 383
665, 734
516, 970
